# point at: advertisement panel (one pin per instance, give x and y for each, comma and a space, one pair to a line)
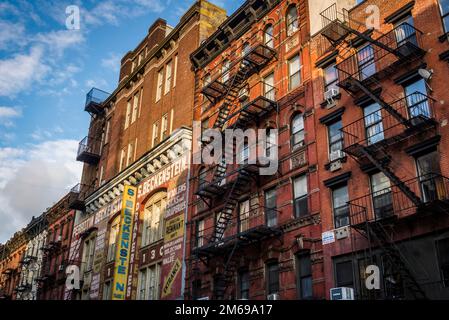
123, 252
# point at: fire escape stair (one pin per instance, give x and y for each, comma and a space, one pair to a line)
393, 253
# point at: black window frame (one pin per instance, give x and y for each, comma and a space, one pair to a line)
272, 267
304, 274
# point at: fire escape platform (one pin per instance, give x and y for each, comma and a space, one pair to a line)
253, 111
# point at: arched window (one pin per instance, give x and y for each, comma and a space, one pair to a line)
268, 36
153, 218
297, 138
292, 20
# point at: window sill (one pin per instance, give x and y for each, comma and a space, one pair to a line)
328, 165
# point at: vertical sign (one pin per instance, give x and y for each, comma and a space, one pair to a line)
124, 243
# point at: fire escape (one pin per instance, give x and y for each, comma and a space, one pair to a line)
370, 140
225, 236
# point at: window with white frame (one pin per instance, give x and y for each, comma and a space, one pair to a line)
113, 234
301, 198
107, 290
135, 107
225, 70
128, 114
155, 133
149, 283
292, 20
199, 233
335, 136
168, 74
122, 160
153, 219
160, 84
175, 71
244, 213
298, 134
108, 128
294, 72
129, 158
268, 36
164, 126
268, 87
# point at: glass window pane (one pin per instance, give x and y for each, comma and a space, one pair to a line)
330, 74
444, 4
340, 197
344, 274
300, 186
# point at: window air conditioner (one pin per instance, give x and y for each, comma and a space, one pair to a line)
274, 296
330, 94
335, 155
342, 293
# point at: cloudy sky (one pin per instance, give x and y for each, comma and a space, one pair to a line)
45, 72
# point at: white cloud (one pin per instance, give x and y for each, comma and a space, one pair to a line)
112, 62
11, 33
19, 72
7, 114
57, 42
34, 178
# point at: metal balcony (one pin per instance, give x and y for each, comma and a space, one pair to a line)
245, 228
413, 115
253, 111
75, 200
89, 151
381, 57
94, 101
257, 57
391, 203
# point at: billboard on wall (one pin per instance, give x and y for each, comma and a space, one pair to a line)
123, 251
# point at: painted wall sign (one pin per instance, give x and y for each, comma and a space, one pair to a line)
168, 283
124, 243
174, 228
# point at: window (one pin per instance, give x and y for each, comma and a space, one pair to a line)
271, 143
164, 126
294, 72
273, 277
244, 152
168, 70
335, 136
196, 289
297, 138
129, 158
304, 271
122, 160
344, 274
443, 260
365, 58
100, 179
417, 102
153, 219
220, 226
175, 71
301, 198
172, 117
270, 207
340, 206
405, 32
244, 216
199, 233
202, 178
128, 114
382, 195
292, 20
268, 36
428, 168
330, 78
113, 234
268, 87
88, 254
108, 125
107, 290
135, 107
444, 8
244, 284
373, 123
225, 70
149, 282
155, 133
160, 84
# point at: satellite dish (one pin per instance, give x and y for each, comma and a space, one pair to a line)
426, 74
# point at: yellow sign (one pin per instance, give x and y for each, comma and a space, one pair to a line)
123, 248
168, 283
174, 228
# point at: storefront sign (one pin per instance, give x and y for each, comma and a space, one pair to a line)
124, 243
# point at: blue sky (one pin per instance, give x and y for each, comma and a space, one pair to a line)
45, 72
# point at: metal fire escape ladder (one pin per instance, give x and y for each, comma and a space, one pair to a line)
370, 154
230, 267
377, 232
381, 102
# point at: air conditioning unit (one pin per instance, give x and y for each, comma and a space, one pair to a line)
335, 155
274, 296
330, 94
342, 293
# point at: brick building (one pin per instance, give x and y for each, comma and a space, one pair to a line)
60, 218
36, 232
381, 118
253, 236
11, 255
140, 135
